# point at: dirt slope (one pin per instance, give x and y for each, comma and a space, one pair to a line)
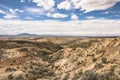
74, 59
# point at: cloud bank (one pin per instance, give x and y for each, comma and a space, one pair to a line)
81, 28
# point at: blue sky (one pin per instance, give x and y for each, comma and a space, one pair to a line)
60, 17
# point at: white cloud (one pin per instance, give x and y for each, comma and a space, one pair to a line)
2, 12
81, 28
18, 10
10, 16
76, 3
96, 4
74, 17
65, 5
22, 0
46, 4
34, 10
57, 15
87, 5
29, 18
14, 11
90, 17
38, 11
106, 12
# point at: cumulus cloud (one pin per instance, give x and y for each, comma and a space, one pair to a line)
38, 11
22, 0
87, 5
90, 17
57, 15
18, 10
29, 18
10, 16
35, 10
2, 12
96, 4
46, 4
65, 5
74, 17
14, 11
81, 28
106, 12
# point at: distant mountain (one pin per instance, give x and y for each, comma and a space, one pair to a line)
22, 35
47, 35
6, 35
26, 34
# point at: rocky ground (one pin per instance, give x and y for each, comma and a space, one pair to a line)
60, 58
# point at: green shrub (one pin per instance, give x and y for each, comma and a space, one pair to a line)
94, 59
104, 60
10, 77
10, 69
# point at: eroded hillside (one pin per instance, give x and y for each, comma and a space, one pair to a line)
59, 58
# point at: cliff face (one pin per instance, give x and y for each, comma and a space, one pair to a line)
60, 59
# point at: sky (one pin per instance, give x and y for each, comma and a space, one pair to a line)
60, 17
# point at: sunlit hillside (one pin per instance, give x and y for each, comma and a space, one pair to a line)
60, 58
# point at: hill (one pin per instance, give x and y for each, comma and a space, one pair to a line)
26, 34
60, 58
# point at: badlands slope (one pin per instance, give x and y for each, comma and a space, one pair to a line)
60, 58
